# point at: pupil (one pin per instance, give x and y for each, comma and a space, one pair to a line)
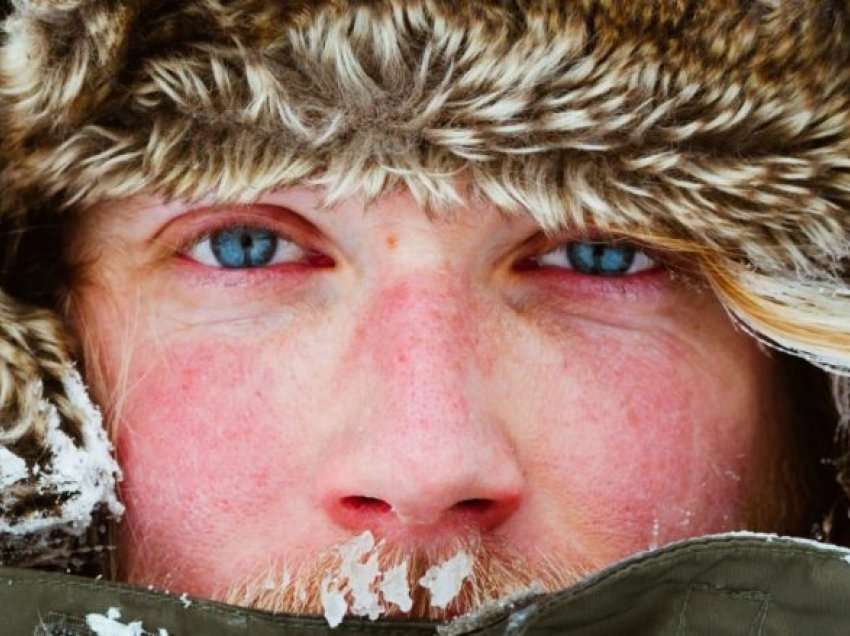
600, 259
243, 247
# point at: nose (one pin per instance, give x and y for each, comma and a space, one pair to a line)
420, 453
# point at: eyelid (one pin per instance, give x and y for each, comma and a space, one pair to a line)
207, 233
639, 262
541, 243
195, 225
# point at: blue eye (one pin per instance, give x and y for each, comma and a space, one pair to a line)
598, 258
244, 247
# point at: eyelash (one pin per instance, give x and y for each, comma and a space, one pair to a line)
204, 231
596, 257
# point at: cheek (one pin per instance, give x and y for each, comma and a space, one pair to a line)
647, 444
201, 461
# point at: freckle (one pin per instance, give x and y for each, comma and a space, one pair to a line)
392, 241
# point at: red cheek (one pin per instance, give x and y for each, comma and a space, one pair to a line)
645, 456
200, 458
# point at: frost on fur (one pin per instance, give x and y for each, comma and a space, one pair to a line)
48, 505
57, 472
78, 477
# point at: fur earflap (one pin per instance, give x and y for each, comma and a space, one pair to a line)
56, 469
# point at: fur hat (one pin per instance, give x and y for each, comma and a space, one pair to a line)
718, 128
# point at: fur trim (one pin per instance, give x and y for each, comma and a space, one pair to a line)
56, 470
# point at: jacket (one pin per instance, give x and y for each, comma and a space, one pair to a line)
744, 585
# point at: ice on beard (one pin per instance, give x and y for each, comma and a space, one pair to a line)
361, 580
334, 603
394, 587
445, 580
364, 602
355, 578
361, 588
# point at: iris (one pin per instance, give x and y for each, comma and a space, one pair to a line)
239, 247
600, 259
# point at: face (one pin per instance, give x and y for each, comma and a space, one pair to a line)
283, 378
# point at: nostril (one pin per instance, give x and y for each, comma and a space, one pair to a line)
479, 506
485, 513
365, 504
358, 513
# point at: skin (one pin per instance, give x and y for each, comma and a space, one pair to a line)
424, 364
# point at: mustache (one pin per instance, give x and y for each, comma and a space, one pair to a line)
365, 577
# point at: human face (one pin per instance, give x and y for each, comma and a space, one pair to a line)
436, 381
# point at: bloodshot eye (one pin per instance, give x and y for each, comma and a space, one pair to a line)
243, 247
595, 258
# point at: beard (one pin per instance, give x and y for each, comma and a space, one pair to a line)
364, 578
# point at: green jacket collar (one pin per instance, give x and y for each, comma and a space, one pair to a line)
736, 585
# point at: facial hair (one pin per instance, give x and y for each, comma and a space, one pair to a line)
364, 578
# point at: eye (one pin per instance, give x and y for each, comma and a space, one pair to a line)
244, 247
598, 258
